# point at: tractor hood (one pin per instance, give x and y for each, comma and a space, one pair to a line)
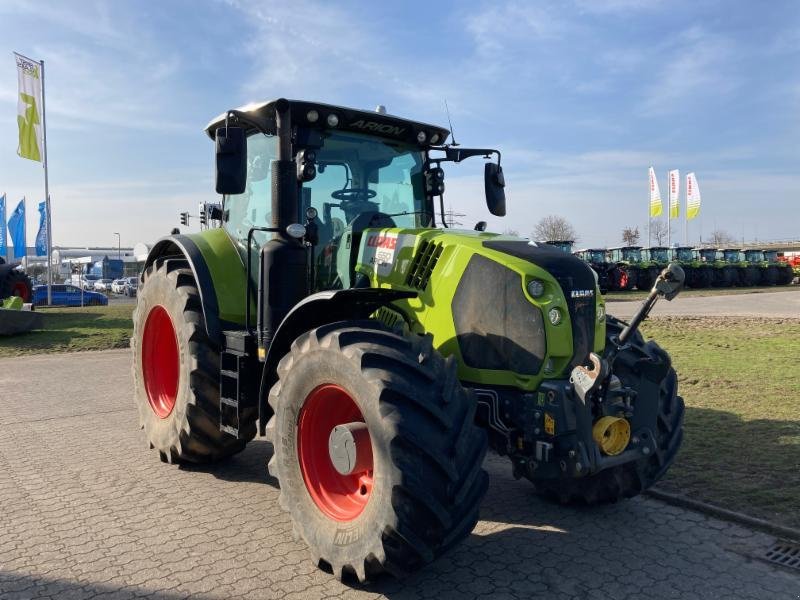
513, 311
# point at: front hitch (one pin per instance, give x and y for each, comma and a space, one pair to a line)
591, 384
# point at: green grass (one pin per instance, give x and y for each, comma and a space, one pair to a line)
637, 295
74, 329
741, 385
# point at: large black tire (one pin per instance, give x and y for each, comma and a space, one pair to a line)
427, 454
646, 278
16, 283
785, 275
189, 430
751, 275
644, 365
769, 275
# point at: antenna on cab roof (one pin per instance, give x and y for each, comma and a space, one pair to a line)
450, 123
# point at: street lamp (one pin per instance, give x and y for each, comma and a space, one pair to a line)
119, 247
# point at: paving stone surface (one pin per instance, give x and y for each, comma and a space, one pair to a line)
87, 511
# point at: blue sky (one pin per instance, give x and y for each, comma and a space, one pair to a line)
581, 96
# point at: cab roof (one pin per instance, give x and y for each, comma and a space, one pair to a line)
626, 248
349, 119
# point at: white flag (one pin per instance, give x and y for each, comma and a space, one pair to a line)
692, 197
29, 108
655, 195
674, 194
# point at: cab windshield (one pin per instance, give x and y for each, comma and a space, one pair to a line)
731, 255
633, 255
360, 175
755, 256
597, 256
659, 254
684, 254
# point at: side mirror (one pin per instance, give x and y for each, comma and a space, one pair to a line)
495, 184
231, 161
480, 226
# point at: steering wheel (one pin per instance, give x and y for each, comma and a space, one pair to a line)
354, 194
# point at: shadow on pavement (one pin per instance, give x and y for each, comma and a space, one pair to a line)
249, 466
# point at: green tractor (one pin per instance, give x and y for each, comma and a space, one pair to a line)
628, 261
698, 274
14, 281
724, 274
381, 355
654, 259
778, 271
597, 259
735, 258
754, 267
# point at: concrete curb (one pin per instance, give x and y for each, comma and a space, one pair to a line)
726, 514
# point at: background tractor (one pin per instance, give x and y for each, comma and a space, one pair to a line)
597, 259
778, 272
380, 354
628, 260
14, 281
653, 260
698, 274
735, 258
724, 275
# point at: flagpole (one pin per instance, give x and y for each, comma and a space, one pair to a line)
47, 198
669, 209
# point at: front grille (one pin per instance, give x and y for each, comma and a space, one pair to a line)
496, 326
423, 264
572, 274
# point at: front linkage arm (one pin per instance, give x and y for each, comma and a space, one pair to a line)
596, 384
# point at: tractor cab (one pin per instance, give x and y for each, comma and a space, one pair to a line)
754, 256
732, 255
707, 255
683, 254
627, 254
563, 245
658, 254
771, 256
594, 256
329, 173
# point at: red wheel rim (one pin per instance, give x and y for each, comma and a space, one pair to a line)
160, 362
340, 497
20, 289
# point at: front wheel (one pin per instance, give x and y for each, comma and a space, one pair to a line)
375, 449
646, 368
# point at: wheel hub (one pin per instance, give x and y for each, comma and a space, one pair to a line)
160, 362
335, 453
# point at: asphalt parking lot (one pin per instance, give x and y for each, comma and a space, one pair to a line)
87, 511
783, 304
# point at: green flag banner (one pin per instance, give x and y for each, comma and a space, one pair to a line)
29, 108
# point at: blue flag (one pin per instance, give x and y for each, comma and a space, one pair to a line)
41, 237
16, 227
3, 243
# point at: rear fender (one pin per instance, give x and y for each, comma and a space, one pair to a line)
219, 272
318, 309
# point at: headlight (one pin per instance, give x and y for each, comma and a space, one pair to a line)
421, 137
312, 116
535, 288
333, 120
554, 314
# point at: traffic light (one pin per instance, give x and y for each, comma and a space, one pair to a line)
184, 218
203, 215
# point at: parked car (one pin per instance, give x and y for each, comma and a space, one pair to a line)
103, 285
131, 286
88, 281
118, 286
67, 295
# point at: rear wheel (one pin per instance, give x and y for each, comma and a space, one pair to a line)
645, 367
646, 278
375, 448
176, 370
16, 283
